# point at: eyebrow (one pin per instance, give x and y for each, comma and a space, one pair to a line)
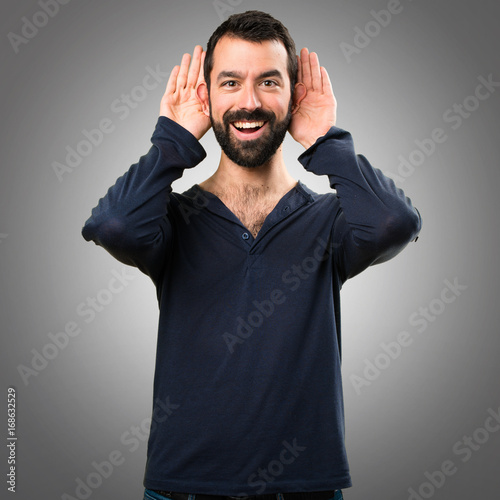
235, 74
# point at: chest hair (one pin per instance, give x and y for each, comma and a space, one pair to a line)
250, 204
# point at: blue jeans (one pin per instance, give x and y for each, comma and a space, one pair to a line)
151, 495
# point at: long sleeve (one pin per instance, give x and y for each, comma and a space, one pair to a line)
376, 220
131, 221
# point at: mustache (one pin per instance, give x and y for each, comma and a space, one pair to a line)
242, 115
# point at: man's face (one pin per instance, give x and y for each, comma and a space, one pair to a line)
250, 99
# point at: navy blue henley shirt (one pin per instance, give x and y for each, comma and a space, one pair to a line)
247, 388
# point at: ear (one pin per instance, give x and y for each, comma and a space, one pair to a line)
202, 95
299, 93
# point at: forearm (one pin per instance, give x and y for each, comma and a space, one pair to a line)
380, 218
130, 220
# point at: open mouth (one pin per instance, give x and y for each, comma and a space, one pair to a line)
248, 127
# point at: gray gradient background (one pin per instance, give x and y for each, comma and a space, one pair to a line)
394, 92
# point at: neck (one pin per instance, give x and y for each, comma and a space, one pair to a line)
271, 177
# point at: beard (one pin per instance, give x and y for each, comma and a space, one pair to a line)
254, 152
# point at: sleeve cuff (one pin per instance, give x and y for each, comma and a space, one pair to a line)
333, 133
188, 146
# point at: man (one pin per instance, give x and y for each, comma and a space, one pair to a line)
248, 267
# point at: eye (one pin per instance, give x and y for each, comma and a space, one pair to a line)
229, 83
269, 83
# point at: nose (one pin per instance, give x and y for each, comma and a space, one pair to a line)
248, 98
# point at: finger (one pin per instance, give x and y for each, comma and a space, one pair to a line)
172, 80
316, 79
327, 84
299, 70
194, 69
306, 69
201, 75
183, 72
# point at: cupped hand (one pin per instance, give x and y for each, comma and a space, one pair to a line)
180, 102
317, 110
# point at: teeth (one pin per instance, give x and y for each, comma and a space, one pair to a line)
248, 124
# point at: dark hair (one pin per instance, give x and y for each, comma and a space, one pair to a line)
252, 26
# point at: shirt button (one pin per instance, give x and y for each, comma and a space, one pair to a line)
245, 236
286, 208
